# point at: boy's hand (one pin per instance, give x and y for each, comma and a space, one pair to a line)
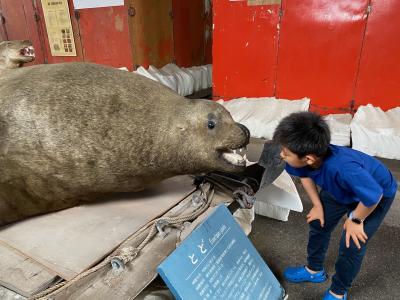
316, 213
356, 232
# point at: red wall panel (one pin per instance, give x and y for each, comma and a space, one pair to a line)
245, 40
105, 36
190, 45
151, 29
320, 46
379, 76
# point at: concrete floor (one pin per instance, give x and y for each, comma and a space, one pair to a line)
283, 244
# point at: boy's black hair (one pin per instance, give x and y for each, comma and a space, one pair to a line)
303, 133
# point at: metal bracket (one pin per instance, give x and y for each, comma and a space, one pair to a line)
131, 11
245, 200
117, 263
198, 198
77, 14
37, 17
160, 225
369, 9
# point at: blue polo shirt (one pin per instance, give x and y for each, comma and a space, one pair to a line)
350, 176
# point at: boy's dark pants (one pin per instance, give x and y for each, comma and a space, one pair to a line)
349, 260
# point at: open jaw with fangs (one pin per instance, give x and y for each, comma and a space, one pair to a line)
235, 157
13, 54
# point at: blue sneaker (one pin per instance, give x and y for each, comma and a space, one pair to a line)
300, 274
329, 296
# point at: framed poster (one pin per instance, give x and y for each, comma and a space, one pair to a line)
59, 28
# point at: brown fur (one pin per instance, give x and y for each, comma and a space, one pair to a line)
72, 132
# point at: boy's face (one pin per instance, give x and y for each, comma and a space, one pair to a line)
293, 159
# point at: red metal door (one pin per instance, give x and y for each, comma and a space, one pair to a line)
320, 46
378, 80
190, 39
245, 41
21, 23
105, 37
151, 32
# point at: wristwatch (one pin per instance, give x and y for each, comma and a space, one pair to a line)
354, 219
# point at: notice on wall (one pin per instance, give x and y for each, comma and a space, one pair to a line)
80, 4
59, 28
263, 2
218, 261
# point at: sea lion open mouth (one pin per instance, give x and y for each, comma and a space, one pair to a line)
234, 157
28, 51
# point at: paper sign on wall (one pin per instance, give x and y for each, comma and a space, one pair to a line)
262, 2
59, 28
79, 4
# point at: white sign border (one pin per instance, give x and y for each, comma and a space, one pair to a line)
81, 4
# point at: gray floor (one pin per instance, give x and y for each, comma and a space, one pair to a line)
282, 244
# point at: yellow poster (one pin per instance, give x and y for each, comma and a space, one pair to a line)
59, 28
263, 2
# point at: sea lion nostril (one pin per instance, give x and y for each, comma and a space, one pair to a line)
246, 132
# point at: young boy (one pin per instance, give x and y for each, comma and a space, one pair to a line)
351, 183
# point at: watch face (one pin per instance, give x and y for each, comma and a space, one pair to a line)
356, 220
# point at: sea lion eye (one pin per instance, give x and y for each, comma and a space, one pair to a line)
211, 124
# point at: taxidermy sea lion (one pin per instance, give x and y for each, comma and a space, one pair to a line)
70, 133
13, 54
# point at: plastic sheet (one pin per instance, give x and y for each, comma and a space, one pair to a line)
184, 81
262, 115
376, 132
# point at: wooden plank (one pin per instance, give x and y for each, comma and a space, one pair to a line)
6, 294
107, 283
22, 274
70, 241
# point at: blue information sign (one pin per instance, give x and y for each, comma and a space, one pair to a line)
218, 261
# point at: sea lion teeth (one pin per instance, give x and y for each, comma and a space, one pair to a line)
13, 54
234, 158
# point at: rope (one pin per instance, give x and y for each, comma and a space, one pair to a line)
127, 254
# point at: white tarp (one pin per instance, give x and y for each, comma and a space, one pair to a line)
376, 132
262, 115
184, 81
278, 199
339, 124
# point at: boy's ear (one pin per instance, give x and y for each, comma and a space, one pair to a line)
310, 159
